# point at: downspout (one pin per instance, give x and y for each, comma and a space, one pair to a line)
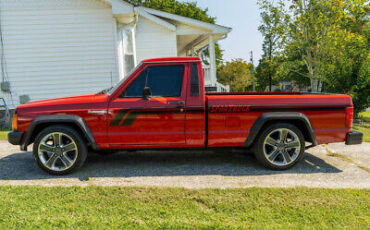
134, 29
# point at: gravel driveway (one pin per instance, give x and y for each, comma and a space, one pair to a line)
331, 166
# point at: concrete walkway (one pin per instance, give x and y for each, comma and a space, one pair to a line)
331, 166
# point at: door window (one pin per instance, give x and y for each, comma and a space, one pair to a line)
164, 81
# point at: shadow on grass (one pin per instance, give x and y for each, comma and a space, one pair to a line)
21, 166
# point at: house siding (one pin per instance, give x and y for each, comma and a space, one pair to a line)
153, 40
57, 48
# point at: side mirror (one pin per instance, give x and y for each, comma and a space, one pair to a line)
147, 92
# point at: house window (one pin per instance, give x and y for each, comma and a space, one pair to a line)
164, 81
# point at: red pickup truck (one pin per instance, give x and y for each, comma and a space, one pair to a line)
162, 104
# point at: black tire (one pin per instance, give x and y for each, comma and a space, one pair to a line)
81, 152
260, 147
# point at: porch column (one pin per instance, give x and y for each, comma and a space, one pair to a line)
212, 59
133, 37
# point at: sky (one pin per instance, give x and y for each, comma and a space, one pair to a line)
244, 18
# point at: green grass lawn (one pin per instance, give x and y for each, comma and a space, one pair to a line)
364, 125
365, 129
175, 208
365, 116
4, 135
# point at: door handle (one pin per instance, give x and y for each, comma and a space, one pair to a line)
177, 103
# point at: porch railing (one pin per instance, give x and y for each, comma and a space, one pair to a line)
222, 88
208, 80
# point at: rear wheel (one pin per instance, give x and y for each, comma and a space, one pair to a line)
280, 146
59, 150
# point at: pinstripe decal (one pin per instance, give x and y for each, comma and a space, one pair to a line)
130, 119
118, 118
126, 117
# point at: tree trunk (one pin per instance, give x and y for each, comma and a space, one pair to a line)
316, 85
270, 60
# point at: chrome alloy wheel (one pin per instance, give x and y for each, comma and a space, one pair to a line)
57, 151
281, 147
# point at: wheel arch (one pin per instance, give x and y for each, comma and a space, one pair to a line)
75, 122
300, 120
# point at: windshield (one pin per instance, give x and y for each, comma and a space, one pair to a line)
111, 90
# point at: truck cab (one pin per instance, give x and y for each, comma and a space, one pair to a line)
161, 104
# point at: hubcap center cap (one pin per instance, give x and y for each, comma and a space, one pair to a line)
58, 151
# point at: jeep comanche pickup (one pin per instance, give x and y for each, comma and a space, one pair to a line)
162, 104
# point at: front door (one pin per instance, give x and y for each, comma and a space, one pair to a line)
160, 120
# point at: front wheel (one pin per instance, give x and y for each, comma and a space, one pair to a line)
280, 146
59, 150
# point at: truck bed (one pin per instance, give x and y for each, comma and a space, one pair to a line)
265, 93
252, 93
232, 115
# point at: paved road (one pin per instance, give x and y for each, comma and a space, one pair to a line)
332, 166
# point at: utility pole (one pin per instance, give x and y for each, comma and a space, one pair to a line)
252, 72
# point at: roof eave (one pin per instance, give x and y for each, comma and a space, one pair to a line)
216, 29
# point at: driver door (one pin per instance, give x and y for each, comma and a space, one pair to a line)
158, 120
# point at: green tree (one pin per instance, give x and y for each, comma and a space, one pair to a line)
236, 73
347, 64
361, 90
273, 29
264, 70
313, 32
325, 44
186, 9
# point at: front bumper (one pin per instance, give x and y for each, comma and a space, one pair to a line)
354, 138
15, 138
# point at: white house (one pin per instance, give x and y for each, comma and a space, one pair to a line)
56, 48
